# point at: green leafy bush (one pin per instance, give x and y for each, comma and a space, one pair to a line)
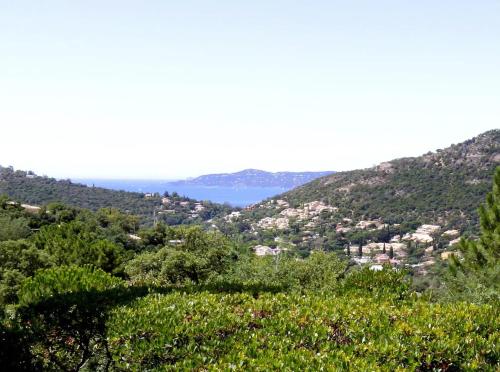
319, 272
295, 332
386, 283
18, 259
62, 312
193, 256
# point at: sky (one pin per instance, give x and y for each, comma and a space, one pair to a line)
173, 89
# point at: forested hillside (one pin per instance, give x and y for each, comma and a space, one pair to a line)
439, 187
26, 187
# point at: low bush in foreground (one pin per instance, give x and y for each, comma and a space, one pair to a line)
292, 331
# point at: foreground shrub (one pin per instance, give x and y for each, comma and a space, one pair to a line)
295, 332
63, 316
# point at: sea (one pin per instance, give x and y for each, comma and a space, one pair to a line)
235, 196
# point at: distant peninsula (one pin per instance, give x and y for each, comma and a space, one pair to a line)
253, 178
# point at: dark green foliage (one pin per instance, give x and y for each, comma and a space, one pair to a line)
18, 260
63, 313
386, 283
192, 255
320, 272
13, 228
476, 275
78, 243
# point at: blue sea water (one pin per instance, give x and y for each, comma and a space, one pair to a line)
235, 196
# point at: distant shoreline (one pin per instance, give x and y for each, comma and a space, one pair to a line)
237, 196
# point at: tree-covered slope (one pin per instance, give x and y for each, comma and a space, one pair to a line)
33, 189
29, 188
447, 184
443, 187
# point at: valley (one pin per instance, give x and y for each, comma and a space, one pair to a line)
325, 273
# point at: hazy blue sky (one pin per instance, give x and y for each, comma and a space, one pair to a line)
167, 89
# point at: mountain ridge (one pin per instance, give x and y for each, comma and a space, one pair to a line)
253, 178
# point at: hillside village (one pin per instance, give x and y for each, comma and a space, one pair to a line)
426, 244
395, 251
409, 212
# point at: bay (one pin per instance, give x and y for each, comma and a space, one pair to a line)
235, 196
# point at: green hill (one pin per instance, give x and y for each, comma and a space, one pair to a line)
441, 188
29, 188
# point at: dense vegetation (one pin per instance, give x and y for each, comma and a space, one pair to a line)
477, 275
95, 290
296, 332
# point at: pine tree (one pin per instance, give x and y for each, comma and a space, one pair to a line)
349, 249
485, 251
360, 249
391, 253
383, 249
479, 269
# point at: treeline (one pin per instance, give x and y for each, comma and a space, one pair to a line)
31, 189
